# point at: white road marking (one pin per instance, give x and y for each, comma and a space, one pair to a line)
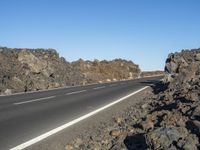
58, 129
34, 100
100, 87
76, 92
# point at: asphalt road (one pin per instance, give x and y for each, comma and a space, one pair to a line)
26, 116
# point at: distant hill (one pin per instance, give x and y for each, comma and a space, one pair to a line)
152, 73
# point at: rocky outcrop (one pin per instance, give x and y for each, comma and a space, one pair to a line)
175, 111
23, 70
169, 118
172, 120
106, 71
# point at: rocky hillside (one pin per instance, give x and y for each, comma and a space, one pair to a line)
168, 118
23, 70
105, 71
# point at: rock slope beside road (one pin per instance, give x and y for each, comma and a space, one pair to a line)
168, 118
105, 71
23, 70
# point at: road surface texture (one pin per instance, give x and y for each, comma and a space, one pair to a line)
24, 117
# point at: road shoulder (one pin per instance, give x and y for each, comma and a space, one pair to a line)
96, 126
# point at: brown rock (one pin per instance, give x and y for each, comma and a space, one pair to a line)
197, 57
115, 133
148, 124
69, 147
119, 120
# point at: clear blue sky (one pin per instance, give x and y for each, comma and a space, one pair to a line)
143, 31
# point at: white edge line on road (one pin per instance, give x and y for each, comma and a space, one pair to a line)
58, 129
34, 100
100, 87
76, 92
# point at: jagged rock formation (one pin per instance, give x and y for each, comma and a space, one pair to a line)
102, 71
174, 115
169, 118
23, 70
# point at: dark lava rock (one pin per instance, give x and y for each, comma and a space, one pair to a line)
171, 138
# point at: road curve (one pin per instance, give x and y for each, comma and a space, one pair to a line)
26, 116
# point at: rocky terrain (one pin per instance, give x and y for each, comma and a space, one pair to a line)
23, 70
106, 71
168, 118
151, 73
